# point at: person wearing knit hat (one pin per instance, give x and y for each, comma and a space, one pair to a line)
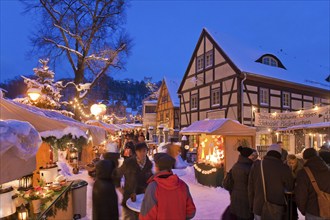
277, 178
239, 174
275, 147
167, 196
245, 151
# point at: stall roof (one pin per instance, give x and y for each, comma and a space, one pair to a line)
46, 120
112, 128
222, 126
309, 126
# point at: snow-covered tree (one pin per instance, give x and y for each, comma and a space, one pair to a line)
44, 82
88, 34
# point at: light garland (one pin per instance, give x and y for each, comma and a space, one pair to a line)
205, 172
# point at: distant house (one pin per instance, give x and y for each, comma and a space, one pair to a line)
168, 105
226, 79
149, 114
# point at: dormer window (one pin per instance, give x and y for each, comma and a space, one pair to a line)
269, 61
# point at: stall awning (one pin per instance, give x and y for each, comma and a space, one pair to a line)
309, 126
223, 126
46, 120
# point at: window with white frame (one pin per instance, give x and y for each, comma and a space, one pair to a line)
193, 102
264, 96
200, 62
285, 99
209, 58
269, 61
317, 100
215, 97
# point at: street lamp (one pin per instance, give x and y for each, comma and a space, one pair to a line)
34, 93
98, 109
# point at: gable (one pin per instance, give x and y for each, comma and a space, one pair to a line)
205, 44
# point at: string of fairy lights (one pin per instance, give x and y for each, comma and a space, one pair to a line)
78, 106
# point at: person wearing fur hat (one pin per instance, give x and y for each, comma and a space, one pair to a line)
306, 197
167, 196
239, 202
278, 179
137, 171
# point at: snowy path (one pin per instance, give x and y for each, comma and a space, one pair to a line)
210, 202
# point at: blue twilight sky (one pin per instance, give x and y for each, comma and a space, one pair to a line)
165, 33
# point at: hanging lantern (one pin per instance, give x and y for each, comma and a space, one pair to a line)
25, 183
23, 213
98, 109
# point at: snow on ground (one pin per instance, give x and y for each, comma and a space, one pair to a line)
210, 201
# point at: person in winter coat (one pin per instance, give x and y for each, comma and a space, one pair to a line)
278, 179
239, 202
306, 196
324, 153
295, 164
104, 197
167, 197
137, 171
129, 148
284, 152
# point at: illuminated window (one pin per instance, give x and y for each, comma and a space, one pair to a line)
264, 96
215, 97
286, 99
193, 102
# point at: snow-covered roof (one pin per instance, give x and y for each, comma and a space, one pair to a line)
244, 56
46, 120
20, 142
222, 126
172, 87
150, 102
305, 126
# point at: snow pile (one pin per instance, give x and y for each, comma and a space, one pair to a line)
21, 136
74, 131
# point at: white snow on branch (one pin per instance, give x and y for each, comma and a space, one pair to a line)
64, 47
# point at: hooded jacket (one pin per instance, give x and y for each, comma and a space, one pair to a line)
167, 197
306, 197
105, 200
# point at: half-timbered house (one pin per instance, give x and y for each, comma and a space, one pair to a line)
225, 79
168, 105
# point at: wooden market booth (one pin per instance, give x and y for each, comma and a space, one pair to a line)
44, 121
216, 142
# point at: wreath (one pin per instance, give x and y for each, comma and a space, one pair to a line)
62, 143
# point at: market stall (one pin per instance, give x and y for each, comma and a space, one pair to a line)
306, 135
216, 142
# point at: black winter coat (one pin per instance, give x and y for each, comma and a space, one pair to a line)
325, 155
306, 197
278, 179
105, 200
135, 177
239, 202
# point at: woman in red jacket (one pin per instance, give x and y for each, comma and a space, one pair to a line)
167, 196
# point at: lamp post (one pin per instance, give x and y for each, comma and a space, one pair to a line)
34, 94
98, 109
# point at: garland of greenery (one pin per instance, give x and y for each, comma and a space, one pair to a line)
61, 143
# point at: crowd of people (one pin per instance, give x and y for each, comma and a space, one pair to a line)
274, 187
163, 190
